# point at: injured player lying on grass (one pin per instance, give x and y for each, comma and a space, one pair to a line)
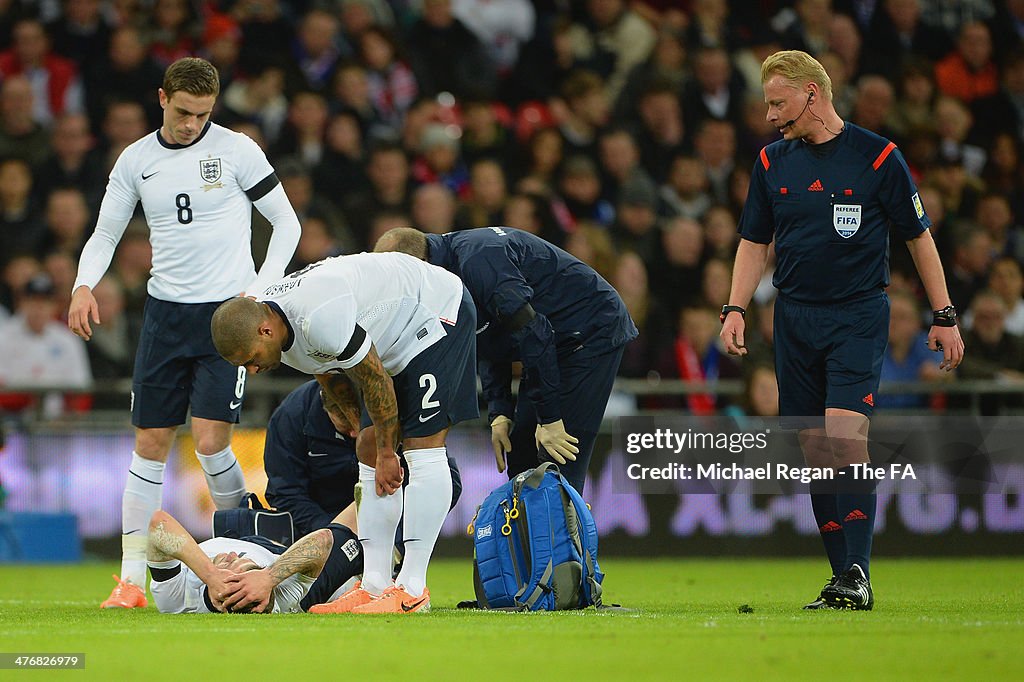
248, 575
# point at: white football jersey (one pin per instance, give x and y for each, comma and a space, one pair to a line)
196, 206
335, 308
184, 592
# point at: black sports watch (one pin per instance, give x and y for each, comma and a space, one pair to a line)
726, 309
945, 317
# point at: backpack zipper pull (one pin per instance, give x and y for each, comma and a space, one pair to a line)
507, 528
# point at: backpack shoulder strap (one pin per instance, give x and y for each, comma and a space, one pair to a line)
539, 591
595, 587
576, 533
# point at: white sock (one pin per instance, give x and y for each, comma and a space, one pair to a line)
377, 519
427, 499
223, 477
143, 494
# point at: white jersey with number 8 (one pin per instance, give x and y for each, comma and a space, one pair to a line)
198, 204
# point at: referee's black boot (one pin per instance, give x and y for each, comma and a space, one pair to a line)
820, 602
850, 591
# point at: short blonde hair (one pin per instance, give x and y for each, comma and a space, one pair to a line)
799, 68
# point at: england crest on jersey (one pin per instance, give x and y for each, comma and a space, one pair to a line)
846, 219
209, 169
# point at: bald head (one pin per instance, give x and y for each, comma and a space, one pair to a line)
406, 240
235, 326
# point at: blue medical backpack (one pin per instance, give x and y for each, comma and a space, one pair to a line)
535, 546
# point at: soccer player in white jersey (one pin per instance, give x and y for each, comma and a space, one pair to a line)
404, 332
212, 576
197, 182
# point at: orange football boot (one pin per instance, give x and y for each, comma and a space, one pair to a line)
126, 595
397, 600
347, 602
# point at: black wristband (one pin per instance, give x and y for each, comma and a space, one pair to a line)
726, 309
945, 317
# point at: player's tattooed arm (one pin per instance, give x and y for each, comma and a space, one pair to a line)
339, 387
307, 556
164, 545
382, 405
379, 398
253, 590
341, 400
168, 540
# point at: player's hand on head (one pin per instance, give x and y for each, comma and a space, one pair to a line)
82, 309
950, 343
389, 473
556, 441
218, 588
500, 428
248, 591
733, 330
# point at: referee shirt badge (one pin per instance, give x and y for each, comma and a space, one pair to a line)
846, 219
209, 170
918, 206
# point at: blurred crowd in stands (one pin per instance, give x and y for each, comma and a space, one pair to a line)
623, 131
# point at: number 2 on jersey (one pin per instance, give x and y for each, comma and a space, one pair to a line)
184, 204
429, 382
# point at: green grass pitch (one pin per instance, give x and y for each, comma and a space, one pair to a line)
934, 619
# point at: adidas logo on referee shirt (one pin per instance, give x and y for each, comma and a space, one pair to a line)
816, 187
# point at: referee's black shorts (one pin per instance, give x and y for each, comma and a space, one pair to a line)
829, 356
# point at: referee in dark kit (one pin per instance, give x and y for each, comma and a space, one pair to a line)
828, 194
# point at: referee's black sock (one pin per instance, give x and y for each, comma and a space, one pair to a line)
344, 562
856, 503
826, 515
